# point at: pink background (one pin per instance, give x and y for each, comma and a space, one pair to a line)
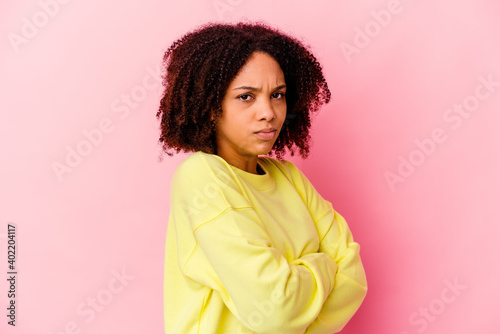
83, 66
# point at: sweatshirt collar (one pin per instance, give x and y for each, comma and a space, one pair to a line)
259, 182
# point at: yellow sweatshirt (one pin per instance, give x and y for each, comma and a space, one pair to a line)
248, 253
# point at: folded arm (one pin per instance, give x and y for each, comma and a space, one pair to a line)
350, 286
336, 241
235, 257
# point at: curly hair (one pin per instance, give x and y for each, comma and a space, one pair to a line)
199, 67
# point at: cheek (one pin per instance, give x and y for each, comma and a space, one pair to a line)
235, 123
240, 118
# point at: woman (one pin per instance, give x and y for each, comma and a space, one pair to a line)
251, 246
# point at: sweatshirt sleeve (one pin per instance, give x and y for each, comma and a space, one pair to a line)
350, 287
235, 257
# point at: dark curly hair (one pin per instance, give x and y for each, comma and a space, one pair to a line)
199, 67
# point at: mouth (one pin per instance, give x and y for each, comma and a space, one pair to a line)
266, 135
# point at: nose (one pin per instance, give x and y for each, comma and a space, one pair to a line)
266, 110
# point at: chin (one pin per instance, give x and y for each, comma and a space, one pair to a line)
264, 151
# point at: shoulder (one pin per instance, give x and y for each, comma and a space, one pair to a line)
195, 164
209, 178
200, 167
311, 197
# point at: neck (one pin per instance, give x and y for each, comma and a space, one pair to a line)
248, 164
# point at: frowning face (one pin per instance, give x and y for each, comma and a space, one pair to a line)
253, 111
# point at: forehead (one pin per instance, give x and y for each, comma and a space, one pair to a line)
260, 67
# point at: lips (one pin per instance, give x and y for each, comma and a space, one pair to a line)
266, 134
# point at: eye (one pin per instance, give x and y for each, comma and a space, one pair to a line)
245, 97
278, 95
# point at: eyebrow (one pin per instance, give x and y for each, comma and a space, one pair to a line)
253, 88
